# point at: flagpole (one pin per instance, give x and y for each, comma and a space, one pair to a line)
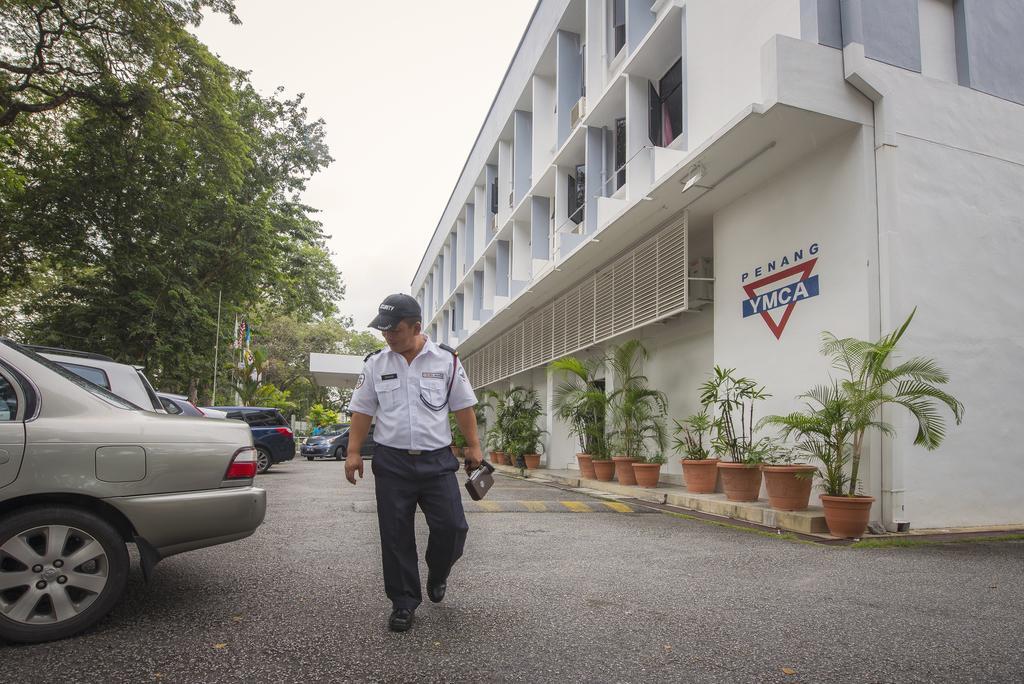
216, 350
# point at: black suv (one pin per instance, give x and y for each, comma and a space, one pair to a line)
271, 434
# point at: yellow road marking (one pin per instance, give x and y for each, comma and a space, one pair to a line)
618, 507
492, 506
535, 506
576, 506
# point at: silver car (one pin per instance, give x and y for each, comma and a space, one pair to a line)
84, 472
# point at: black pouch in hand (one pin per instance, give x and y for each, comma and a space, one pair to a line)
480, 481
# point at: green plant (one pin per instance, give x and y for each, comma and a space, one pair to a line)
458, 439
322, 417
270, 396
838, 416
496, 432
656, 458
689, 436
523, 434
580, 400
637, 411
734, 399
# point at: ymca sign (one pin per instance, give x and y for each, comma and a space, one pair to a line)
779, 286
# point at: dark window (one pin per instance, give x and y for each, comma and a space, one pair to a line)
150, 392
8, 401
618, 26
236, 415
169, 406
577, 193
583, 70
620, 153
666, 106
94, 375
494, 196
269, 418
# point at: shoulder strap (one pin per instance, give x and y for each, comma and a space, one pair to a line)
367, 357
448, 349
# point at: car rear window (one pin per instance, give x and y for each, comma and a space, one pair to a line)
96, 376
265, 418
90, 387
170, 406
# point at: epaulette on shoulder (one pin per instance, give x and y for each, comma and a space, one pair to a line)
367, 357
448, 349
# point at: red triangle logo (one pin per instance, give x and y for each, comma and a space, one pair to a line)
751, 289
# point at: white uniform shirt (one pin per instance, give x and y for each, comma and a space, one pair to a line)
391, 389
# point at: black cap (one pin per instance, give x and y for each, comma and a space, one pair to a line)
394, 309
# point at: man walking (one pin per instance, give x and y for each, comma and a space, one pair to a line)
410, 387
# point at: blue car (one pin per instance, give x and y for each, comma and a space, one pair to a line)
271, 434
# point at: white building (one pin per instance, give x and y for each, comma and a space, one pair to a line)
873, 149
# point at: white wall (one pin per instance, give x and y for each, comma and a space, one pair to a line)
825, 199
956, 255
723, 57
938, 39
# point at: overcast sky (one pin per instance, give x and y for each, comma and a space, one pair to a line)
404, 87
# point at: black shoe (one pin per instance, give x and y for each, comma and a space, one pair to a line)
435, 590
401, 619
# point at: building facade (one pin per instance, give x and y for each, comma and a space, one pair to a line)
726, 179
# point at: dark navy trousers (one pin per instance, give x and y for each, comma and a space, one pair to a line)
404, 480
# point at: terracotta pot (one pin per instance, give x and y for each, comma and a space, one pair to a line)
789, 486
624, 470
498, 458
604, 470
847, 516
740, 481
700, 477
532, 461
646, 474
586, 463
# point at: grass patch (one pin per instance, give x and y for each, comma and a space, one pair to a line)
785, 536
909, 542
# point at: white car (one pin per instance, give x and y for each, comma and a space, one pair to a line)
127, 382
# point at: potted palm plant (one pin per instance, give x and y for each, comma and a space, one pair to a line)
700, 471
637, 411
787, 481
839, 416
524, 437
648, 470
496, 439
580, 401
734, 400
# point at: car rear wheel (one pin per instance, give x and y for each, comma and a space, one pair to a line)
62, 570
262, 460
339, 454
311, 458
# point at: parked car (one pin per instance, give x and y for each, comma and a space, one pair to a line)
84, 472
179, 405
274, 440
127, 382
335, 446
323, 445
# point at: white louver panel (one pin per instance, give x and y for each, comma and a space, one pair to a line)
641, 286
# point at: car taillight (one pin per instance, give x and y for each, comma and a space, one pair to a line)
283, 431
243, 465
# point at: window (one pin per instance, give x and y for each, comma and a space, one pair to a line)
269, 418
494, 196
94, 375
169, 406
666, 106
620, 153
577, 193
618, 26
8, 401
583, 70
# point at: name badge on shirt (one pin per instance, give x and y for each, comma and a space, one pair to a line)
389, 376
434, 375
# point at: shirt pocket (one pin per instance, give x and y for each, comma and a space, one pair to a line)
388, 393
433, 390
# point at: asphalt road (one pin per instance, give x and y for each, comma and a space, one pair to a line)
549, 597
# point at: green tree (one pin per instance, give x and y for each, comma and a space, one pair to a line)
120, 227
104, 52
